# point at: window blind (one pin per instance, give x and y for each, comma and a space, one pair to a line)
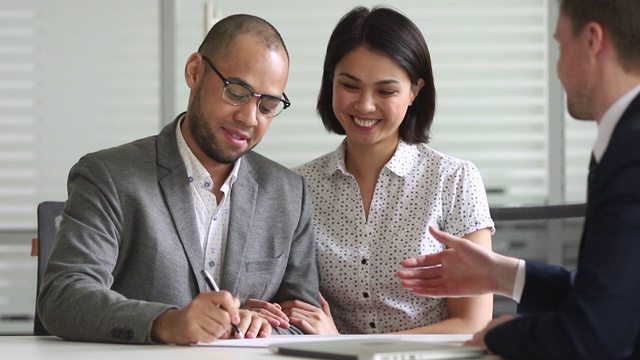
75, 76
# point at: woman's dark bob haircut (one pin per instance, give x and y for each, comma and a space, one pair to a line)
388, 32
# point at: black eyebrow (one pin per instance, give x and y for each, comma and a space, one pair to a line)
381, 82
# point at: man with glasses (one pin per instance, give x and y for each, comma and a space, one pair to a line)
144, 221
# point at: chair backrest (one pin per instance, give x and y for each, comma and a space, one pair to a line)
548, 234
48, 224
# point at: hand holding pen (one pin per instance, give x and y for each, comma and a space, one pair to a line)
214, 287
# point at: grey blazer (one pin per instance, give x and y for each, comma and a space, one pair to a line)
128, 246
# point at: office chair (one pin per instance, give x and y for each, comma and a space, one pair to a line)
48, 224
548, 234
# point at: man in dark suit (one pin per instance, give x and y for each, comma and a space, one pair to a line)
143, 220
593, 312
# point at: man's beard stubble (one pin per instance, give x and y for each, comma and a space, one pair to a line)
205, 139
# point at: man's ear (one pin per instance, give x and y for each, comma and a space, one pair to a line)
596, 38
194, 70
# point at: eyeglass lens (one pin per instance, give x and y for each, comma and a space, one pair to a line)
237, 94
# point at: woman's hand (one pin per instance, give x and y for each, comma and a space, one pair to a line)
272, 312
310, 319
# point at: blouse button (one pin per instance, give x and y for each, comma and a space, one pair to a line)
372, 325
364, 261
365, 294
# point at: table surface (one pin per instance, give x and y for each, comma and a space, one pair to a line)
53, 348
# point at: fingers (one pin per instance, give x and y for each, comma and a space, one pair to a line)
476, 340
224, 299
304, 325
306, 320
290, 304
207, 318
324, 305
445, 238
272, 312
215, 312
253, 325
421, 273
310, 319
426, 288
434, 259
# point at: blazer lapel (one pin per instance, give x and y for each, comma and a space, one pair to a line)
620, 146
243, 201
173, 181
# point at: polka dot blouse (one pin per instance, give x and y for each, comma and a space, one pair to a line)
358, 257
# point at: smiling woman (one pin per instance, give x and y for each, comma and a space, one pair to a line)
376, 195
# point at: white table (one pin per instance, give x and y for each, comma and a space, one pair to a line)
52, 348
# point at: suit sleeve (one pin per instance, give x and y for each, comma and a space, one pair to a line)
596, 317
546, 288
301, 276
76, 301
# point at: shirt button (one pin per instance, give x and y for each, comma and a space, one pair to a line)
211, 263
364, 261
365, 294
372, 325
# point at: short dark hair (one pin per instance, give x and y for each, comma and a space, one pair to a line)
217, 42
386, 31
619, 18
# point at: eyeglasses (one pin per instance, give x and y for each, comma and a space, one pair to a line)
236, 93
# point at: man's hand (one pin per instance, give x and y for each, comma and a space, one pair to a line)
207, 317
253, 325
478, 338
269, 311
463, 269
310, 319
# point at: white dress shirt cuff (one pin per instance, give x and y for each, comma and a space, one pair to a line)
519, 282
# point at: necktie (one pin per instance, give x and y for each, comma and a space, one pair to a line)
592, 164
592, 169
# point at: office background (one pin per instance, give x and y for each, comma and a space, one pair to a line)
80, 75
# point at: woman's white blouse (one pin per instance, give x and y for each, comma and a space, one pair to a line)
358, 257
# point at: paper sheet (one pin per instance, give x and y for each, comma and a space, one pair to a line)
274, 339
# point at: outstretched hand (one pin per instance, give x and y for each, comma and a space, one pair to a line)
463, 269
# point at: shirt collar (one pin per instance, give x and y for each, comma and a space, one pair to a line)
610, 120
400, 163
196, 172
336, 161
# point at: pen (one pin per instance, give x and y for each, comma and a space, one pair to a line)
212, 284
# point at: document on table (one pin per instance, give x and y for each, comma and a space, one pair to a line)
275, 339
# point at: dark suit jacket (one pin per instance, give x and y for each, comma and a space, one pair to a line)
128, 247
593, 313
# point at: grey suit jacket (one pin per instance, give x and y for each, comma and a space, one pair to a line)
128, 246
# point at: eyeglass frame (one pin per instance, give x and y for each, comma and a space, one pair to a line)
228, 82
